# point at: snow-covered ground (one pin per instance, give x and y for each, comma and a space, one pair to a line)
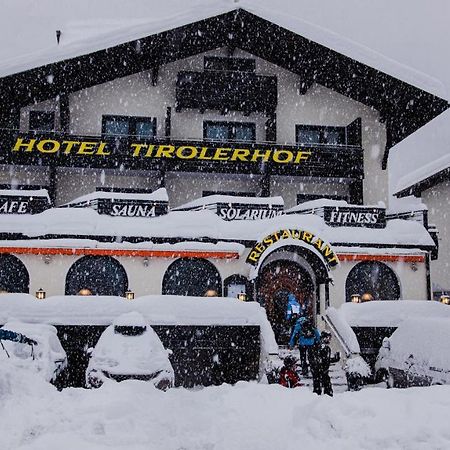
134, 415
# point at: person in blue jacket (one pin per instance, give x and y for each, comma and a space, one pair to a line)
15, 337
307, 336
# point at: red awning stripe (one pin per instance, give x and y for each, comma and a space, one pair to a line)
386, 258
120, 252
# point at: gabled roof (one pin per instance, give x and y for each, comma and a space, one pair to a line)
403, 107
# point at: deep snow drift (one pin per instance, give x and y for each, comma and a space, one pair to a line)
134, 415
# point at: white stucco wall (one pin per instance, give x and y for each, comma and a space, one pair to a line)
136, 96
437, 201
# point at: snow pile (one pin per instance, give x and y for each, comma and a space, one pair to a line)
125, 354
47, 358
135, 415
426, 340
391, 313
343, 329
356, 365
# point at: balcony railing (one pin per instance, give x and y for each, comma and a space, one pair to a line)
220, 90
131, 152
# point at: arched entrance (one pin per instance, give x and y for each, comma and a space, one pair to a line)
276, 281
14, 275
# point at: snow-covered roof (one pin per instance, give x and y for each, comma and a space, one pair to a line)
415, 181
391, 313
25, 193
157, 310
206, 224
158, 195
322, 202
87, 35
230, 199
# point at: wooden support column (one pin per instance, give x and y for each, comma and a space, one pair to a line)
271, 127
264, 185
64, 112
52, 184
168, 122
355, 189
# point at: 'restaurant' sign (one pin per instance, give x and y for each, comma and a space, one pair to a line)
355, 217
237, 211
305, 236
131, 208
12, 204
96, 149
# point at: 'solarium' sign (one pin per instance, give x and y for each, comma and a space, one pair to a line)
301, 235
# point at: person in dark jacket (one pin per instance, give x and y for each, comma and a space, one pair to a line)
288, 376
320, 365
306, 335
15, 337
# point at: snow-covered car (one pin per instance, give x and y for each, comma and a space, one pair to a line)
416, 354
129, 349
47, 358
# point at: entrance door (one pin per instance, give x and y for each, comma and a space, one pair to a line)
276, 281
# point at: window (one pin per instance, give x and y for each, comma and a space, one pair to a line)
14, 275
313, 134
229, 131
374, 280
42, 120
190, 276
235, 285
100, 275
140, 127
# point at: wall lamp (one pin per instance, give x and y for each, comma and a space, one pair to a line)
355, 298
242, 296
129, 295
40, 294
445, 299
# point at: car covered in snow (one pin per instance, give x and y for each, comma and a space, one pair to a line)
129, 349
47, 358
416, 354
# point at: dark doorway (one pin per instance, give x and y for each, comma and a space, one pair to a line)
96, 275
276, 281
190, 276
14, 275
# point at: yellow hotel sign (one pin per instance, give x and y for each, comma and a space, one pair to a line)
161, 151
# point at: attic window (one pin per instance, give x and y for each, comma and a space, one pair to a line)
42, 120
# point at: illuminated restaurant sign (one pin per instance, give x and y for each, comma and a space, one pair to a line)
301, 235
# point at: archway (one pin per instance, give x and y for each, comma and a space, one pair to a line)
14, 276
373, 278
101, 275
276, 281
191, 276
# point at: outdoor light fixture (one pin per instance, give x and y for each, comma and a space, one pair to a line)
356, 298
129, 295
242, 296
445, 299
40, 294
366, 297
211, 293
414, 267
84, 292
145, 262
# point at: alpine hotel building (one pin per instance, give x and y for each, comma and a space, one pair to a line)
228, 157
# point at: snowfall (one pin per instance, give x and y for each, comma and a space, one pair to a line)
134, 415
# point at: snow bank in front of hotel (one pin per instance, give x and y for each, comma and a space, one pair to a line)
135, 415
391, 313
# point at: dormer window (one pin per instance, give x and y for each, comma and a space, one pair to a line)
120, 126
